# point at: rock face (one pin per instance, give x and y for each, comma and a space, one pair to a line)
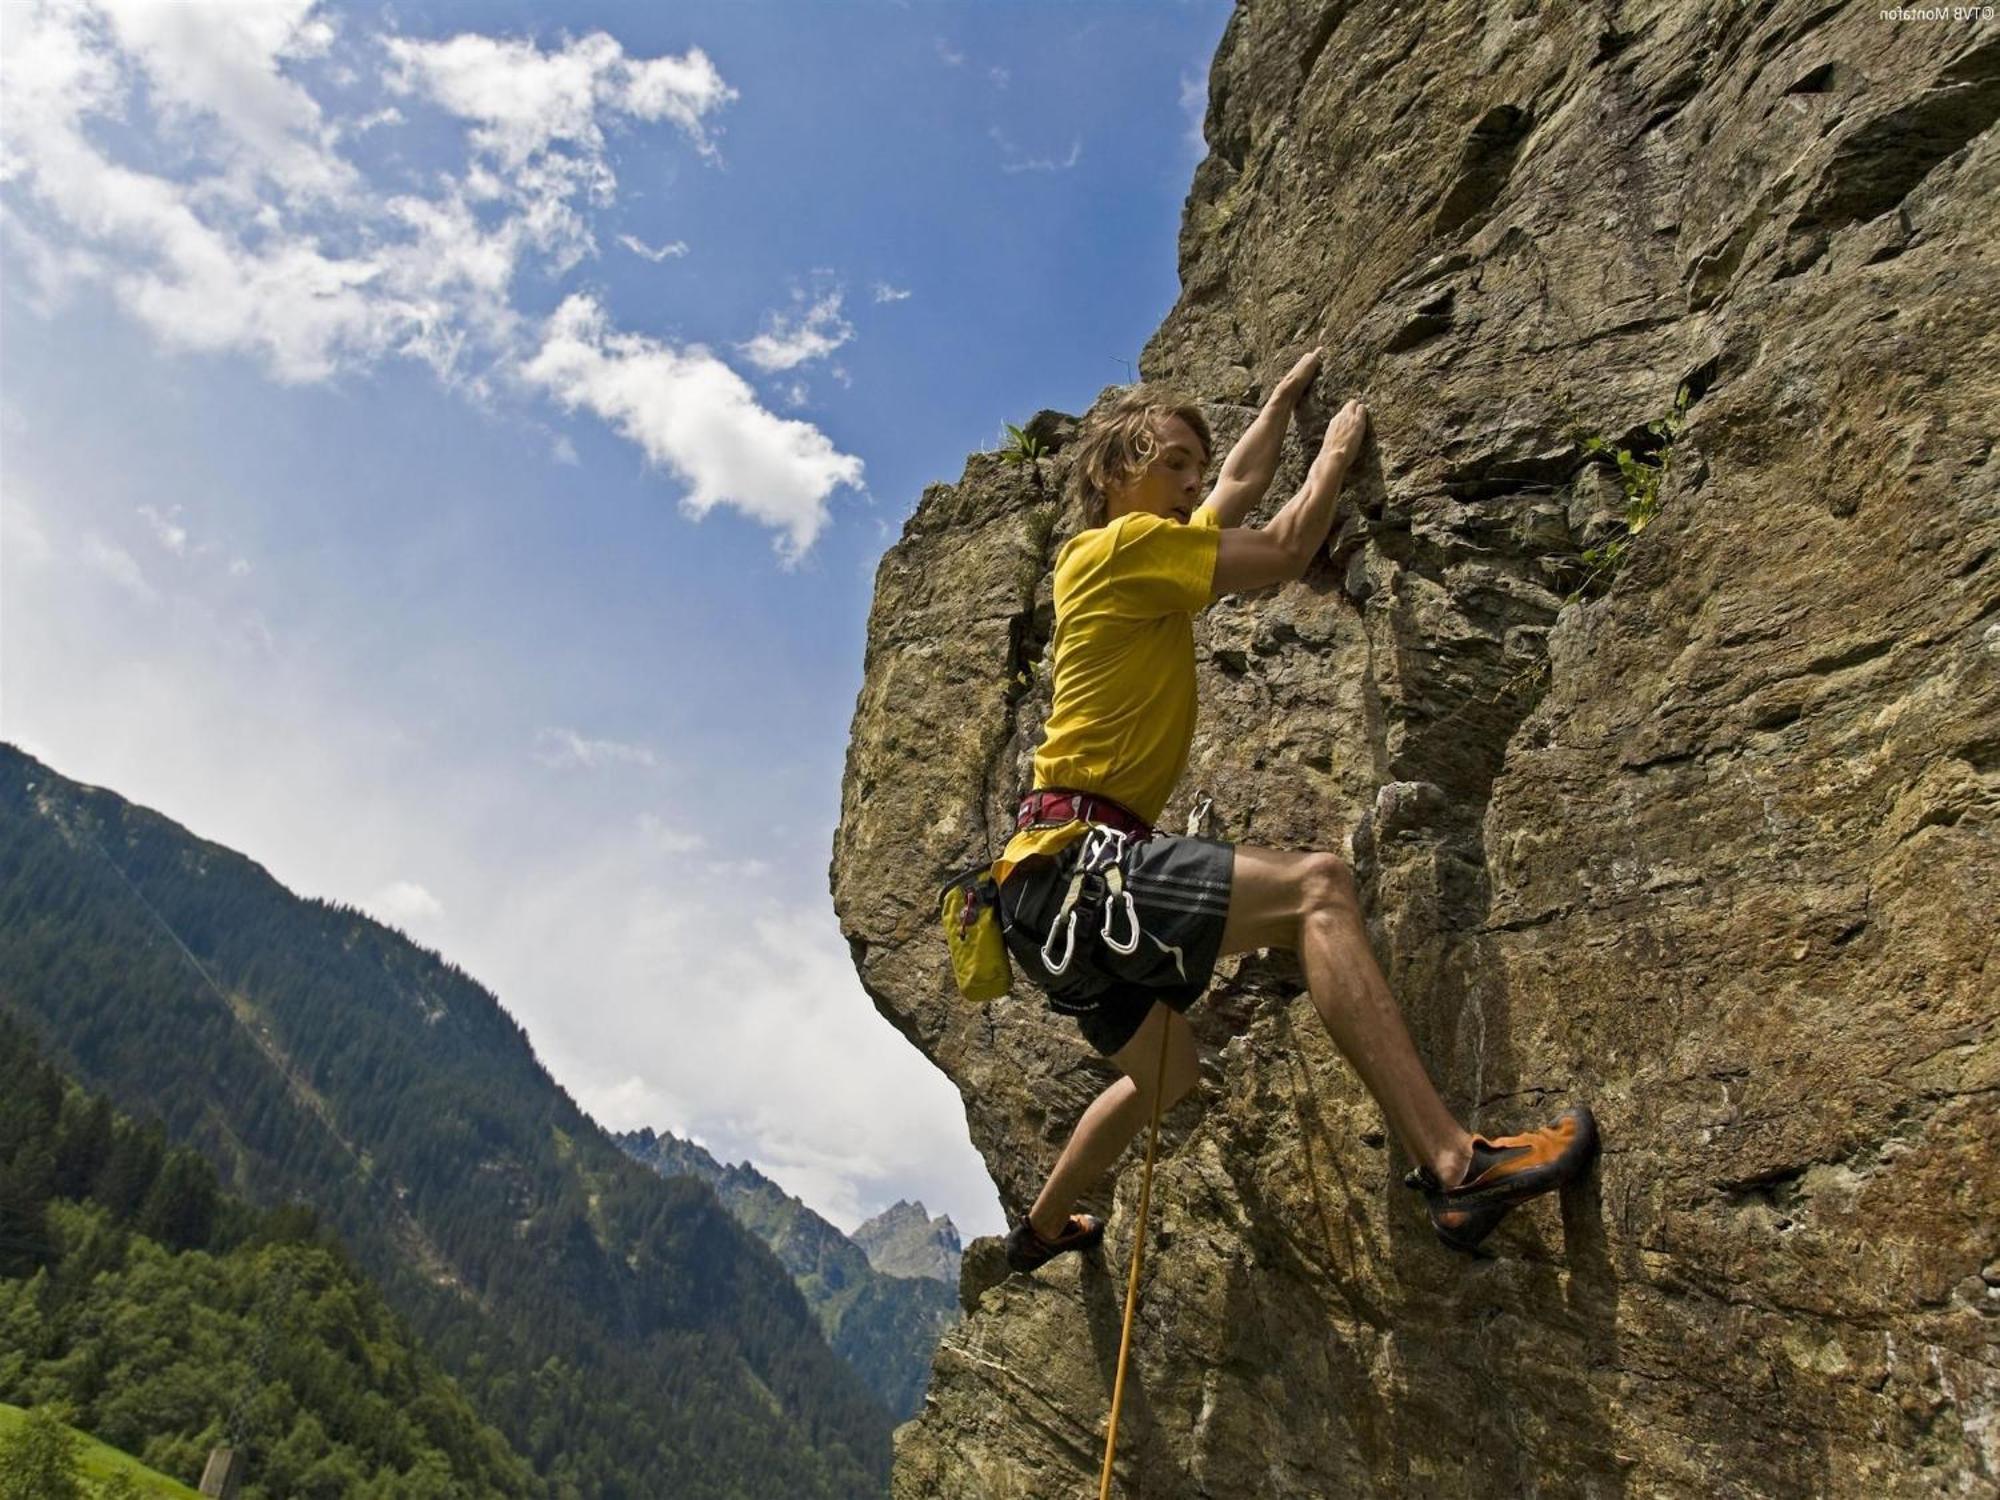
1707, 840
904, 1240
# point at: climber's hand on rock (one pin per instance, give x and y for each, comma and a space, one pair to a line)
1298, 380
1344, 433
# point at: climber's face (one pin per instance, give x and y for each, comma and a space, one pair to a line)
1170, 485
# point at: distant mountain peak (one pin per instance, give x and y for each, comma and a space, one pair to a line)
904, 1240
884, 1319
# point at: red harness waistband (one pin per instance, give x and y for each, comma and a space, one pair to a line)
1051, 807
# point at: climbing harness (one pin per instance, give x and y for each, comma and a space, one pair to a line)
1132, 1281
1053, 806
969, 902
1097, 865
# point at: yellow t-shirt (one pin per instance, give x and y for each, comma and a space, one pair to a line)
1123, 709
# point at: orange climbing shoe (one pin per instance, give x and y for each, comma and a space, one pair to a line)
1502, 1172
1027, 1250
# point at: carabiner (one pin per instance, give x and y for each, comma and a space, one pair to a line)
1055, 966
1131, 921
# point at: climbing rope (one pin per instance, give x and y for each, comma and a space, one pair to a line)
1132, 1282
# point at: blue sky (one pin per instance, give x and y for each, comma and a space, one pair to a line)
445, 451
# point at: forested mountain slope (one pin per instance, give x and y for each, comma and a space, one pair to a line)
885, 1326
168, 1317
621, 1330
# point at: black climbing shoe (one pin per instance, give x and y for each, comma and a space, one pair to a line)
1463, 1228
1027, 1250
1504, 1171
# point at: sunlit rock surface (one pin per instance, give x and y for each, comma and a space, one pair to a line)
1712, 847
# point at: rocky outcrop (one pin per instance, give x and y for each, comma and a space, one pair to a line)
1706, 838
904, 1240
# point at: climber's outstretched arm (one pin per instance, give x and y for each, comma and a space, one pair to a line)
1248, 470
1302, 526
1249, 558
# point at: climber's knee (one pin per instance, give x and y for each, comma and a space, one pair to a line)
1273, 892
1326, 884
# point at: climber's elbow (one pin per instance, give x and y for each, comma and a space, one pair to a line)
1247, 559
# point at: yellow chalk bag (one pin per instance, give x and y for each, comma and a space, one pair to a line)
969, 909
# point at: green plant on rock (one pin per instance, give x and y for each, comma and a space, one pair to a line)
1642, 476
1021, 447
1041, 526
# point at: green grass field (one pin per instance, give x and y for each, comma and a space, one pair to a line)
99, 1461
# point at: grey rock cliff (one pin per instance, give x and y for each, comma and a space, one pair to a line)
1708, 840
904, 1240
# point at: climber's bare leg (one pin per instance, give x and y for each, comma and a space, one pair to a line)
1119, 1113
1308, 903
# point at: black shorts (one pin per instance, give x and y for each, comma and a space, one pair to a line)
1180, 898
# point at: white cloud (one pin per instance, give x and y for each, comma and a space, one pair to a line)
563, 451
1194, 106
668, 839
565, 749
239, 567
739, 871
950, 56
697, 418
166, 530
639, 247
404, 903
634, 1102
302, 311
23, 541
523, 100
109, 560
1017, 162
52, 272
221, 59
186, 259
376, 121
326, 274
886, 293
813, 334
1000, 77
738, 1018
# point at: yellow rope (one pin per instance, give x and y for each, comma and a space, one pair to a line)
1132, 1282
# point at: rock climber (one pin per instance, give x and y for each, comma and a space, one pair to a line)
1121, 926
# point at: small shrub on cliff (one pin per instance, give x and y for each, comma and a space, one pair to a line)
1041, 526
1021, 447
1642, 476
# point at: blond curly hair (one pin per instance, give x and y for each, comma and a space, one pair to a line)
1116, 442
